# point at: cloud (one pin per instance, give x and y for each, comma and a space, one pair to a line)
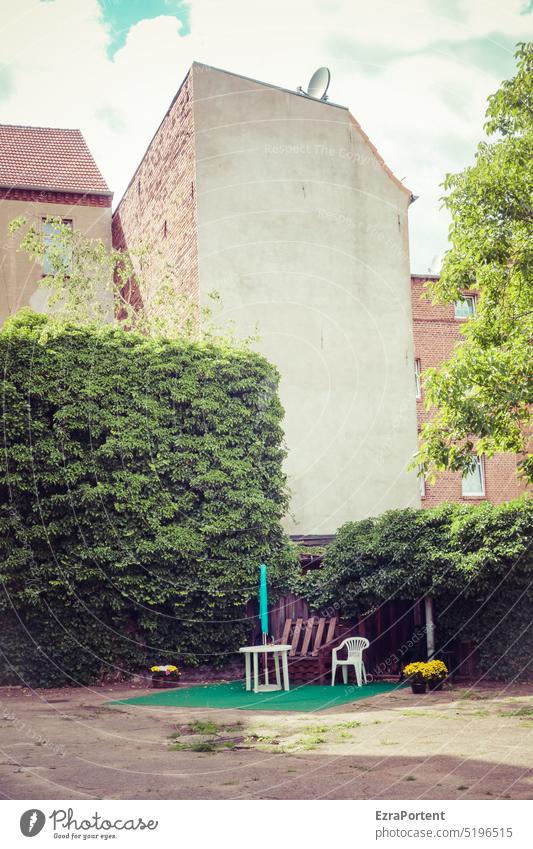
415, 74
120, 16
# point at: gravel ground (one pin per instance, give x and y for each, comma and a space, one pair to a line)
68, 744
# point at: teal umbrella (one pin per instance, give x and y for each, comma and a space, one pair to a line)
263, 611
263, 601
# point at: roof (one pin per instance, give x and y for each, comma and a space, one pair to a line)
48, 158
313, 539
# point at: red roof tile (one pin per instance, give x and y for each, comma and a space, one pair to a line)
48, 158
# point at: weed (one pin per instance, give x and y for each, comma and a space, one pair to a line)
308, 743
262, 738
473, 695
205, 746
209, 746
204, 727
521, 711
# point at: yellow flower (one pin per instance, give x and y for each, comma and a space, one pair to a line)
432, 670
437, 669
166, 669
419, 669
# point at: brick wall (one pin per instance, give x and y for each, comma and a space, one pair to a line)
159, 205
436, 333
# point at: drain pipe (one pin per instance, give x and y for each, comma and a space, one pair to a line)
430, 626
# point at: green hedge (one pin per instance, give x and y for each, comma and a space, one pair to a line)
141, 486
476, 561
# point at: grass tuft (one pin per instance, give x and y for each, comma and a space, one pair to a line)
203, 727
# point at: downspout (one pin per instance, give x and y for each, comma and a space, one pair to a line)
430, 626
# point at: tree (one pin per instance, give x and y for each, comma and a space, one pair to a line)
483, 394
89, 284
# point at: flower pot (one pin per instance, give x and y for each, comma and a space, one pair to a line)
164, 682
435, 685
418, 688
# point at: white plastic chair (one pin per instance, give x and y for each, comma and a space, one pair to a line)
355, 647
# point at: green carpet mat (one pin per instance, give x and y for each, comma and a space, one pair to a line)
309, 697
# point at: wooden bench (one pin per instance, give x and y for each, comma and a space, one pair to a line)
312, 641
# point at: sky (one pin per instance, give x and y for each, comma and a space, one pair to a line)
415, 74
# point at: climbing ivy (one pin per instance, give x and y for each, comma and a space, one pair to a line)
476, 562
141, 486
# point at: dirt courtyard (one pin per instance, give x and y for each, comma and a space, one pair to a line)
461, 744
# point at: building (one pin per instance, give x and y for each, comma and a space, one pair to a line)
281, 204
45, 173
436, 333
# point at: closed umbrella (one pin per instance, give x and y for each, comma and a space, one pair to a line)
263, 601
263, 610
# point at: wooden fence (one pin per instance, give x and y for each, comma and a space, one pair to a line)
396, 631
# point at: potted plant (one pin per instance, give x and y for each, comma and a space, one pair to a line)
437, 672
416, 674
165, 676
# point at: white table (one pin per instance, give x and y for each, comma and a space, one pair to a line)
255, 652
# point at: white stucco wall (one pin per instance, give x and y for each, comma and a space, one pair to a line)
304, 235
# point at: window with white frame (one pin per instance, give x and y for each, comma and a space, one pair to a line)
465, 307
418, 384
50, 232
473, 482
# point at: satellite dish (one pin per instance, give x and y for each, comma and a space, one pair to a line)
318, 85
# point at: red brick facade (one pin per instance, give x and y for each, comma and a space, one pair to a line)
159, 205
436, 332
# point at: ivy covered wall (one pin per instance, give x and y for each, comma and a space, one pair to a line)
475, 561
141, 487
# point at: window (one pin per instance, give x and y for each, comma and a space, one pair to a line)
465, 307
49, 231
473, 483
417, 379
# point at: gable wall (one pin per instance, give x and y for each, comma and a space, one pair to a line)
304, 233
